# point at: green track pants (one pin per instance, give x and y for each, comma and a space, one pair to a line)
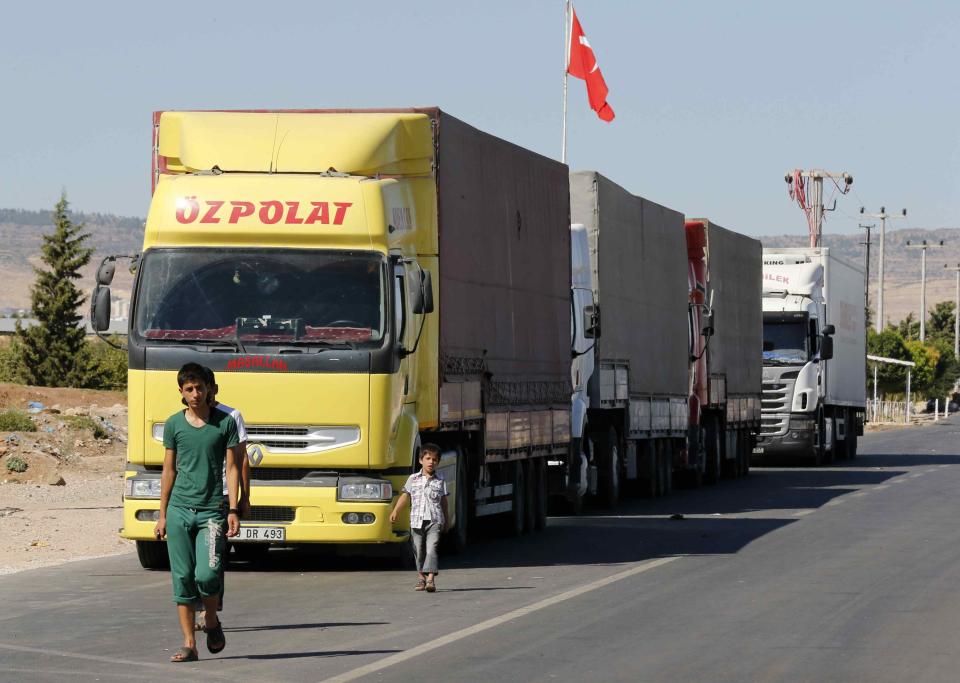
195, 543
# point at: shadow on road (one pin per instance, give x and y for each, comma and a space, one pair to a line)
715, 520
283, 627
321, 653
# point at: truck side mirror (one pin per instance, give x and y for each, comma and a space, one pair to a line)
106, 270
424, 300
828, 330
100, 308
591, 322
826, 346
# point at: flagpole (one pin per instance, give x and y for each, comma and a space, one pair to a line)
566, 64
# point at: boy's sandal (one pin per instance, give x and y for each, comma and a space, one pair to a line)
216, 641
421, 584
431, 586
184, 654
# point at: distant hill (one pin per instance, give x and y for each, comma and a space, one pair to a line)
20, 238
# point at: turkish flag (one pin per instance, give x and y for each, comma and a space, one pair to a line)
582, 63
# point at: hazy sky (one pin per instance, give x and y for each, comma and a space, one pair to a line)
714, 100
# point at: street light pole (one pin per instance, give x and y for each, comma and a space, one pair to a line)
956, 314
923, 246
866, 288
882, 216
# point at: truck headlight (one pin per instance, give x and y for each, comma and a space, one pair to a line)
802, 424
158, 431
141, 487
367, 490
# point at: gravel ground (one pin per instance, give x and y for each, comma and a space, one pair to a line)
66, 505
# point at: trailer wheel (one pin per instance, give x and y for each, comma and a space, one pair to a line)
609, 450
153, 555
518, 513
540, 501
530, 497
456, 539
714, 451
648, 482
819, 437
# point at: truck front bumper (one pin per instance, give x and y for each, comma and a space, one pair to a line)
798, 440
309, 514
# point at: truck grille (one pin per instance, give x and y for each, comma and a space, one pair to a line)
301, 439
270, 513
776, 403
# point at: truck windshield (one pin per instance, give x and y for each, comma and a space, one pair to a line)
251, 297
785, 342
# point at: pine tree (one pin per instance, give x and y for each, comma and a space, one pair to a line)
53, 352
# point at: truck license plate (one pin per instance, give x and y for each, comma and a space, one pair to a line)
260, 534
758, 450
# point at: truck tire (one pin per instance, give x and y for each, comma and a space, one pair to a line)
540, 502
647, 481
852, 444
729, 466
517, 514
714, 451
455, 540
818, 447
608, 448
153, 555
530, 496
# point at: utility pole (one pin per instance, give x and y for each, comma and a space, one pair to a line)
866, 287
882, 216
956, 314
814, 209
923, 246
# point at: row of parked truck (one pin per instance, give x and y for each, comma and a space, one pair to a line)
366, 281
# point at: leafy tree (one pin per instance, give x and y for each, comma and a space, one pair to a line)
888, 344
52, 353
924, 372
940, 322
909, 327
948, 369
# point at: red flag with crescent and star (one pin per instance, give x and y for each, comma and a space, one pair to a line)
582, 63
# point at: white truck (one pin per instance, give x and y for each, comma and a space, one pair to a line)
814, 356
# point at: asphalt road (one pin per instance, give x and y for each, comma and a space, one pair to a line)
836, 574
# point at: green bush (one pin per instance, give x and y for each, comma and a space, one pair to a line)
15, 464
16, 421
106, 367
10, 363
87, 422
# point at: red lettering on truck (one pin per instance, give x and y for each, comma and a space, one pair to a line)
270, 212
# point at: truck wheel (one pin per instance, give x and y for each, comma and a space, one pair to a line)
530, 495
608, 447
818, 448
153, 555
667, 467
517, 514
852, 444
540, 500
647, 482
456, 539
712, 473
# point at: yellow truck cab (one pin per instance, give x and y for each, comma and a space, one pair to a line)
360, 282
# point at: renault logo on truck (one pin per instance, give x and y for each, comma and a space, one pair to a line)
193, 210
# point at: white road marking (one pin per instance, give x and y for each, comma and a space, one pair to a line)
98, 658
496, 621
881, 487
802, 513
859, 494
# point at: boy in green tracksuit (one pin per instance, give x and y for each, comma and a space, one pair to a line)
197, 440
